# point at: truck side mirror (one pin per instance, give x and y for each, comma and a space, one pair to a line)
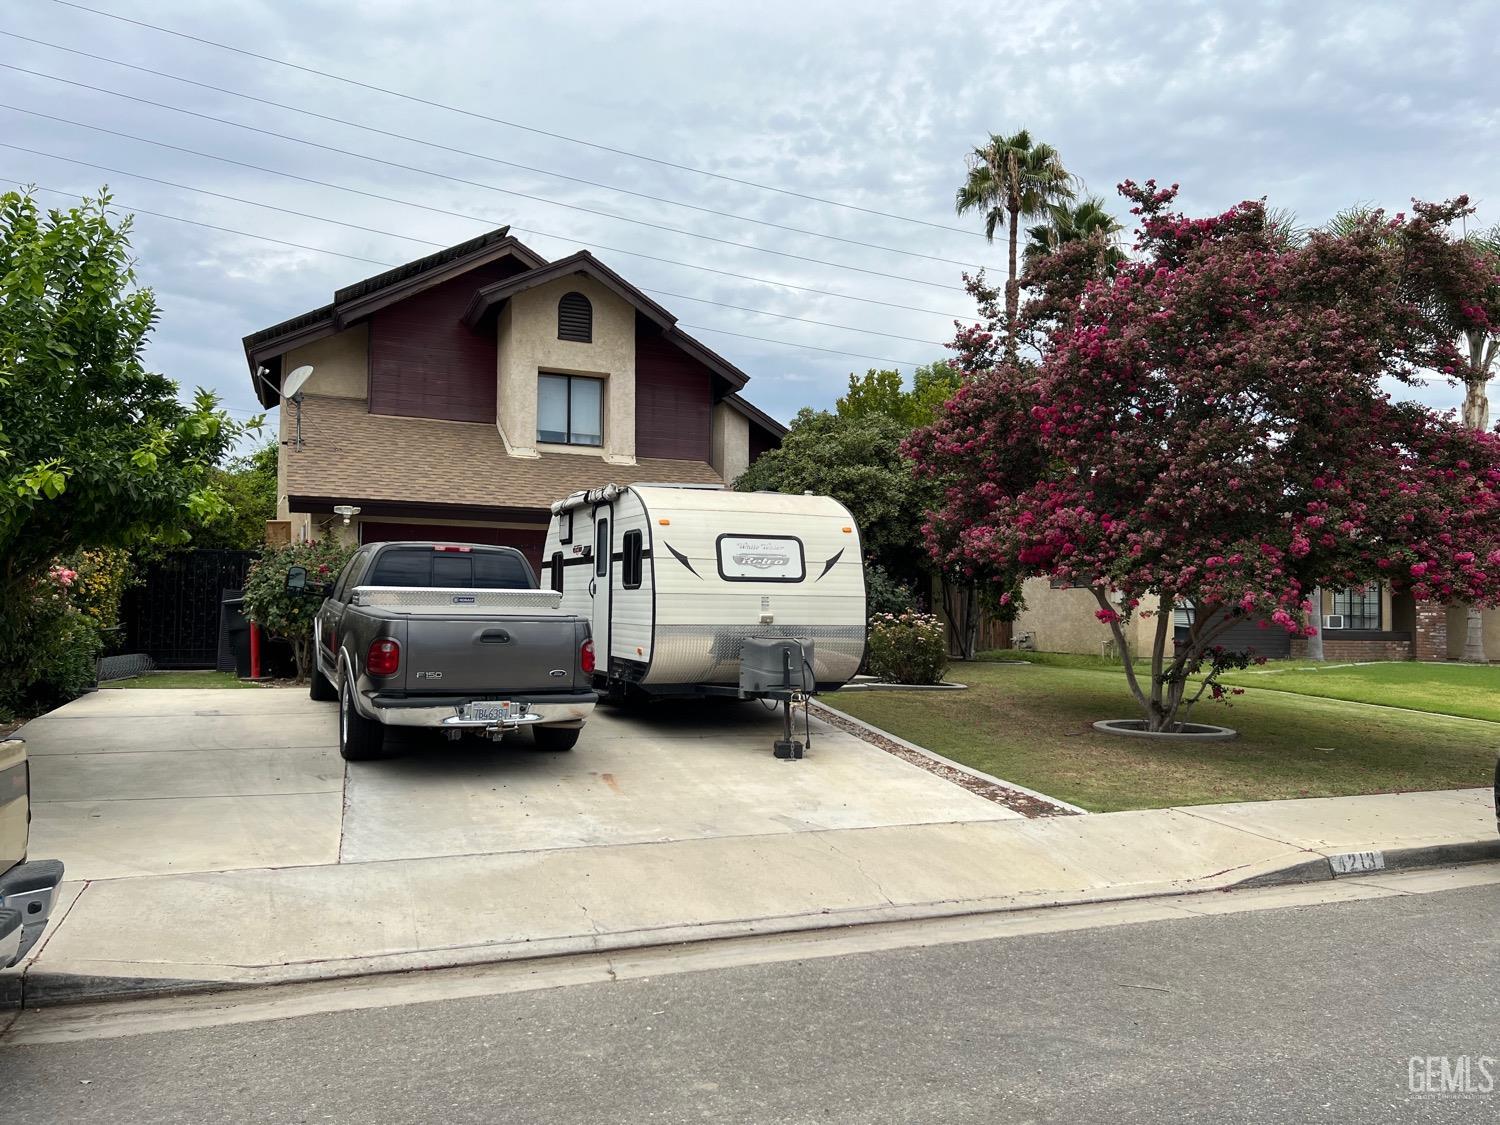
296, 580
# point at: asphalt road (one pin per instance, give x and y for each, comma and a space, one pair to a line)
1310, 1014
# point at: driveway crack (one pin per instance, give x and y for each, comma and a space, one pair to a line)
859, 866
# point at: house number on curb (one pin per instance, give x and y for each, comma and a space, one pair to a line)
1352, 862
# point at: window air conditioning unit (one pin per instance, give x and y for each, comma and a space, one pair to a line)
1333, 621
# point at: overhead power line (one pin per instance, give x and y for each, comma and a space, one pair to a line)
678, 296
432, 104
429, 207
524, 230
375, 130
462, 180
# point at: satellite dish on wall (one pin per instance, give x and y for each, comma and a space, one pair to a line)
293, 384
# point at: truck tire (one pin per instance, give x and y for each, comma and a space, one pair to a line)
556, 738
318, 687
360, 739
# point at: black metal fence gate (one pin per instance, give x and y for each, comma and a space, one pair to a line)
172, 616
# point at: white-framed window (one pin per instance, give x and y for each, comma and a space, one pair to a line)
570, 409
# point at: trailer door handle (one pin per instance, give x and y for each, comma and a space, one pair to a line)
494, 637
593, 587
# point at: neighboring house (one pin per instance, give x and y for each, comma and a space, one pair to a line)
1372, 624
459, 395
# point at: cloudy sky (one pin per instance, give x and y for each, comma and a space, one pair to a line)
859, 113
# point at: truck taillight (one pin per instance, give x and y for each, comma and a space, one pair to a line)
384, 658
586, 658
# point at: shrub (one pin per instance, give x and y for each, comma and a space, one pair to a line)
908, 648
883, 594
48, 647
101, 577
289, 617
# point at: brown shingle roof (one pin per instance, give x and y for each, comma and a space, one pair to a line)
351, 454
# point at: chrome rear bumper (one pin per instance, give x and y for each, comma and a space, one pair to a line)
569, 710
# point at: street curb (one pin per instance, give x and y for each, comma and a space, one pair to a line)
43, 989
1345, 865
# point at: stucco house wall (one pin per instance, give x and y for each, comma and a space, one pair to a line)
528, 346
342, 363
1062, 620
730, 450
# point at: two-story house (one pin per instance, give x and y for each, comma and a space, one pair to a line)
459, 395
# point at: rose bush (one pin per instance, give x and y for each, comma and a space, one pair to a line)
908, 648
48, 646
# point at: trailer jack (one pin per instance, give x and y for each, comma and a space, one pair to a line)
787, 748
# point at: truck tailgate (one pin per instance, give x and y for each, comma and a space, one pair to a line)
495, 656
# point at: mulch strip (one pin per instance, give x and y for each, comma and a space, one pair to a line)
1014, 799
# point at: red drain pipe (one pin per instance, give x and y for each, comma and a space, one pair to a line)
254, 651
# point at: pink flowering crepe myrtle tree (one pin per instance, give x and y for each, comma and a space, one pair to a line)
1208, 425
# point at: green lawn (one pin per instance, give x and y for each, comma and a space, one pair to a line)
1470, 690
1030, 723
181, 680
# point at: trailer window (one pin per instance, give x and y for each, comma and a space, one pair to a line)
601, 548
761, 558
630, 566
557, 571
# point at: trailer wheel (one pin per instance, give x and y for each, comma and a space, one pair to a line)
360, 739
556, 738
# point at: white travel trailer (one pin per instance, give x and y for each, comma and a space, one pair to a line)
676, 578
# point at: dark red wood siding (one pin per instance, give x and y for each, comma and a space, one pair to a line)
673, 400
528, 542
425, 363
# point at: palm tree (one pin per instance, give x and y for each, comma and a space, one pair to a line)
1011, 179
1079, 222
1482, 347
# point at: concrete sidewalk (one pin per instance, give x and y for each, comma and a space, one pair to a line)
258, 926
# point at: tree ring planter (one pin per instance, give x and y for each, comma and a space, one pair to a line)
1185, 732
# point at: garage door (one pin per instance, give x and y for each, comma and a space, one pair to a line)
526, 540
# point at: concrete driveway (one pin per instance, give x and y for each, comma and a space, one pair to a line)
217, 835
131, 783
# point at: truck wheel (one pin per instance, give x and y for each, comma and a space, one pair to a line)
555, 738
318, 687
360, 739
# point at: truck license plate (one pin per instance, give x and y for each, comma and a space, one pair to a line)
502, 712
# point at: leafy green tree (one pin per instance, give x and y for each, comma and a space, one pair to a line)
884, 392
1013, 179
95, 450
857, 460
248, 487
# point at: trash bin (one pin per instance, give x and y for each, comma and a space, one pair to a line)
236, 628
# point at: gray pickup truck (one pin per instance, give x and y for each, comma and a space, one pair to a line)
28, 889
451, 636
